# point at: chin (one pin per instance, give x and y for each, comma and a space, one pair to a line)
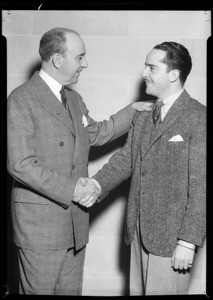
148, 92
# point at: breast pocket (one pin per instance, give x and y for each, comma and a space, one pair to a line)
177, 155
176, 146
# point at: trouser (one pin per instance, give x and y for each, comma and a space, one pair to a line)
51, 272
153, 275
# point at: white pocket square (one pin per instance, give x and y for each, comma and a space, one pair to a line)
176, 138
84, 121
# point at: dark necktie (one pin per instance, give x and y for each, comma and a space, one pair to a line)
157, 113
64, 101
63, 97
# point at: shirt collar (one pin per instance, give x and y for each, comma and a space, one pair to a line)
53, 84
170, 100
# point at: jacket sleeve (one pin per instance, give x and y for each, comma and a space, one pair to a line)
23, 162
193, 229
107, 130
118, 168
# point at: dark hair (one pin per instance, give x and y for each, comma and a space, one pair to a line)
54, 41
177, 57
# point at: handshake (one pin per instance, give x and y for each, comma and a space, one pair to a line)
87, 192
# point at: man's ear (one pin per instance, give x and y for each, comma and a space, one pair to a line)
56, 60
174, 75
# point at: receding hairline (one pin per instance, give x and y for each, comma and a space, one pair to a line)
71, 31
73, 34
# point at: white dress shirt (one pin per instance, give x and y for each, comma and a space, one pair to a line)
168, 102
54, 85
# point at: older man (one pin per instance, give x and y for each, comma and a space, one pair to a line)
49, 137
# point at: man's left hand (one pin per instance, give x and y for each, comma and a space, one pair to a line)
182, 258
142, 106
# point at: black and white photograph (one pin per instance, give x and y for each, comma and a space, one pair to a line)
106, 151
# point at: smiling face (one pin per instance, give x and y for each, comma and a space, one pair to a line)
73, 60
156, 75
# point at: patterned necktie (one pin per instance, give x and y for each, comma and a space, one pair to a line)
63, 97
64, 102
157, 113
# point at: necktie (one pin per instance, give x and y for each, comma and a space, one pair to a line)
157, 113
64, 101
63, 97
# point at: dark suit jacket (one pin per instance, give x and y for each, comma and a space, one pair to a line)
47, 153
168, 177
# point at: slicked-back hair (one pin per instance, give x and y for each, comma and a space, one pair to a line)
177, 57
54, 41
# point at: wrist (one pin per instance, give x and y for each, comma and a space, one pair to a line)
96, 184
186, 244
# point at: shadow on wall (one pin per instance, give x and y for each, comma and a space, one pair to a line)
123, 258
35, 67
121, 191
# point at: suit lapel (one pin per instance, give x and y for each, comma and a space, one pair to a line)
173, 114
77, 120
146, 132
51, 103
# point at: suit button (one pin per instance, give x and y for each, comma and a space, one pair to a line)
61, 144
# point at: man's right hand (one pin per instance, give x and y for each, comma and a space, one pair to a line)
86, 192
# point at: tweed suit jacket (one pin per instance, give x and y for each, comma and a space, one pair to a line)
168, 184
47, 153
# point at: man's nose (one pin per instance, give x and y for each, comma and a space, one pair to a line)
84, 63
144, 73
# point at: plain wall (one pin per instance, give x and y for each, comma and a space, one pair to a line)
117, 43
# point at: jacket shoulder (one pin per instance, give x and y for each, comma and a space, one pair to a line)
24, 90
196, 105
195, 115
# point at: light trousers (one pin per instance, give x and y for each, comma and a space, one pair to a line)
51, 272
153, 275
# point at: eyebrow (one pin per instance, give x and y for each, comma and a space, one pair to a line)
82, 54
151, 65
79, 55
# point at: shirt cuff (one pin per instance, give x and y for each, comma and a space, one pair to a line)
186, 244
